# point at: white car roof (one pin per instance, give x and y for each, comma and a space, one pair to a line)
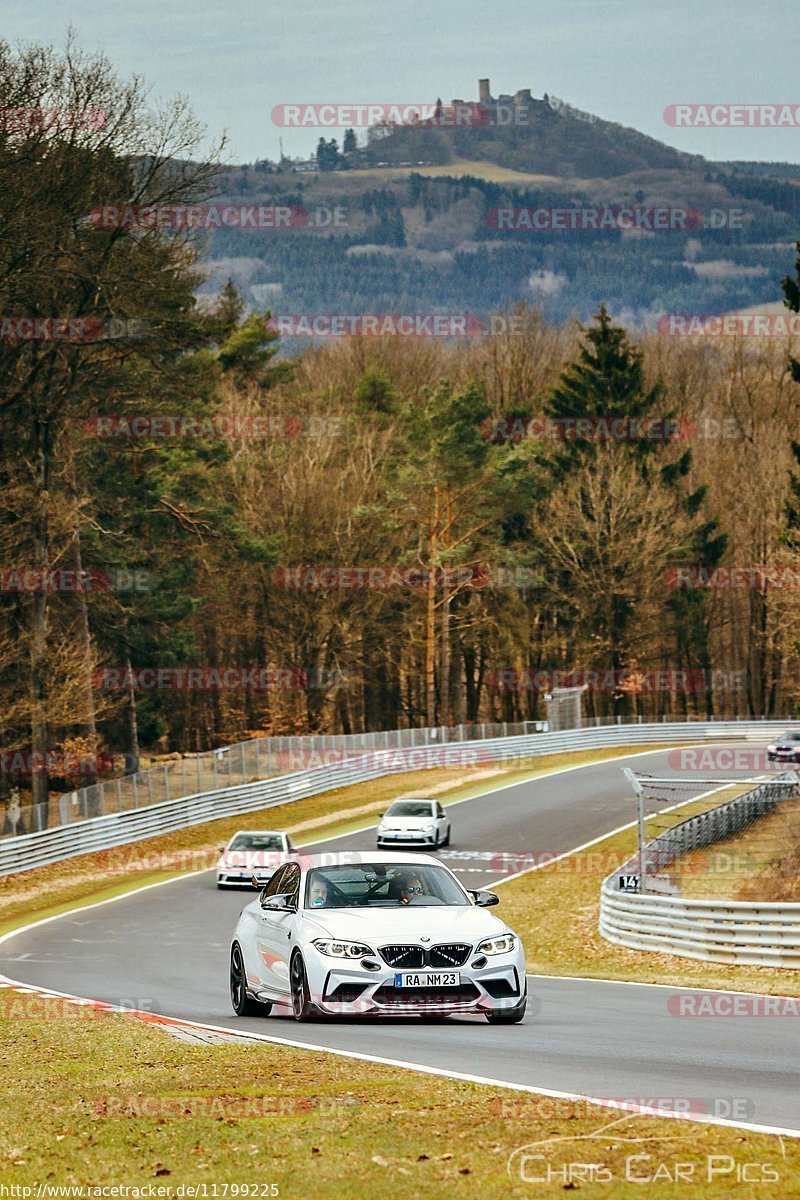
260, 833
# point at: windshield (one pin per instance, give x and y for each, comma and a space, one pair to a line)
792, 736
257, 841
410, 808
380, 885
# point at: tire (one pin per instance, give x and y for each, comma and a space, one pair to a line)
508, 1016
302, 1008
243, 1004
446, 841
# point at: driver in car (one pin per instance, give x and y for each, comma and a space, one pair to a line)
409, 888
320, 892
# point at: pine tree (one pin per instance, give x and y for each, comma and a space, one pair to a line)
607, 382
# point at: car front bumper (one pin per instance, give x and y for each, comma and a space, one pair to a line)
351, 990
406, 838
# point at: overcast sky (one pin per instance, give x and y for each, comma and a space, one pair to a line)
624, 61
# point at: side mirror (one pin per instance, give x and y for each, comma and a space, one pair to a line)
279, 903
220, 849
485, 899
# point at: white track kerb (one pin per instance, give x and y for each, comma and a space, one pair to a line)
170, 1023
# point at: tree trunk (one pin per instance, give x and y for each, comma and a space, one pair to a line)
445, 688
430, 615
133, 725
89, 722
38, 641
430, 651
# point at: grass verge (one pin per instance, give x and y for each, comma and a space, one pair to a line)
556, 910
761, 862
110, 1101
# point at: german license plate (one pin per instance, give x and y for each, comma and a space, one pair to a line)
415, 979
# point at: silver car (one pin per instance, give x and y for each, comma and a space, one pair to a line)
417, 821
363, 933
253, 853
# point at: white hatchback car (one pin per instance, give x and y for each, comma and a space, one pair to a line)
418, 821
253, 853
375, 934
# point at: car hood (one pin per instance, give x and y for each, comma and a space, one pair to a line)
235, 860
407, 922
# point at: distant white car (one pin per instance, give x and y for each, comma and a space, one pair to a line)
419, 822
377, 933
253, 853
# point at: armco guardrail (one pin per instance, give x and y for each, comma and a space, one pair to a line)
258, 758
756, 933
31, 850
234, 765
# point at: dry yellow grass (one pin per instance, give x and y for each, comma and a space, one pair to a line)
480, 169
762, 862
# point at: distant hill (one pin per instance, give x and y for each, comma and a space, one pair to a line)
544, 136
421, 237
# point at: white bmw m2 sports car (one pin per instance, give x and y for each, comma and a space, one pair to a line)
375, 933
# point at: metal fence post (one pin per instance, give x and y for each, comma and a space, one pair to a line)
639, 790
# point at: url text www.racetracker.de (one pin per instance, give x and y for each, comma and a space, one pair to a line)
141, 1191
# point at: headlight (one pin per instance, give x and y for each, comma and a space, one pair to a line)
381, 828
427, 829
342, 949
771, 749
498, 945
